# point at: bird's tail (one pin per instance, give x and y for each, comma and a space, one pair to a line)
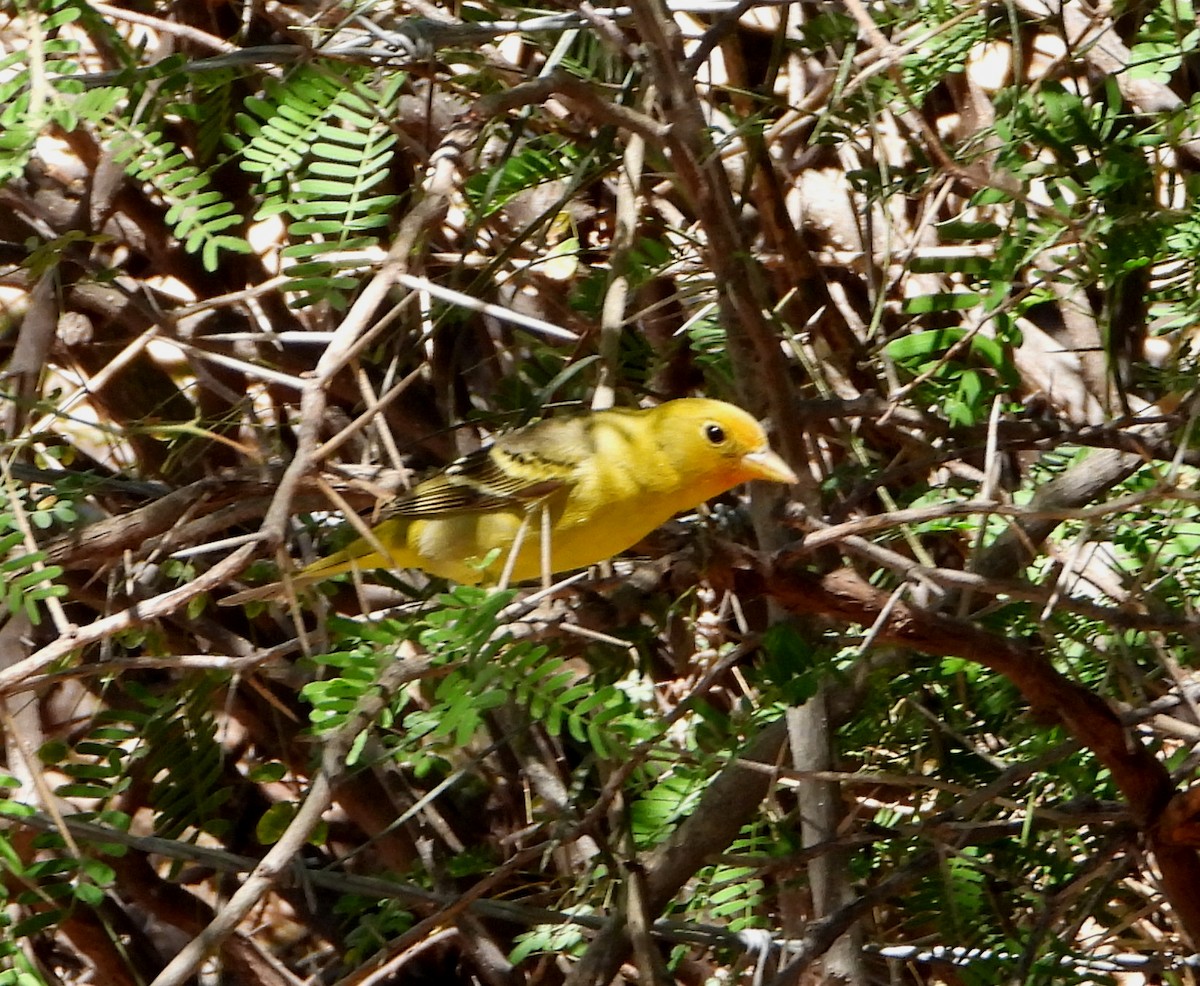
358, 554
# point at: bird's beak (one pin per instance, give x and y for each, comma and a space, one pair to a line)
765, 464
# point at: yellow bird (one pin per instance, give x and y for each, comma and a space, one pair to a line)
593, 483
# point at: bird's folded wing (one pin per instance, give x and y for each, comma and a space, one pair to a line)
494, 478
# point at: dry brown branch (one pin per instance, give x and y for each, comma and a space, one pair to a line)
926, 244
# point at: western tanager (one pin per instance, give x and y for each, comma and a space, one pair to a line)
603, 480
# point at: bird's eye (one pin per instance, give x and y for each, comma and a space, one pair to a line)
714, 433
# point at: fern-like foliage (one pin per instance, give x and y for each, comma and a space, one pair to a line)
50, 886
165, 741
549, 939
197, 212
370, 924
321, 150
488, 668
317, 142
199, 215
281, 126
211, 109
27, 581
545, 160
28, 110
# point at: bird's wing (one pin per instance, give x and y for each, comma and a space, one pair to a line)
519, 470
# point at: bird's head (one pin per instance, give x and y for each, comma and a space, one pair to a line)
718, 445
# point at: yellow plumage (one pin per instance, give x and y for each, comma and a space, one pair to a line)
605, 480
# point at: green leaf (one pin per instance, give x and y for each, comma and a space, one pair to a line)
944, 302
89, 895
923, 345
274, 822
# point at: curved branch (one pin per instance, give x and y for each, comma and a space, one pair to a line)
1160, 814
